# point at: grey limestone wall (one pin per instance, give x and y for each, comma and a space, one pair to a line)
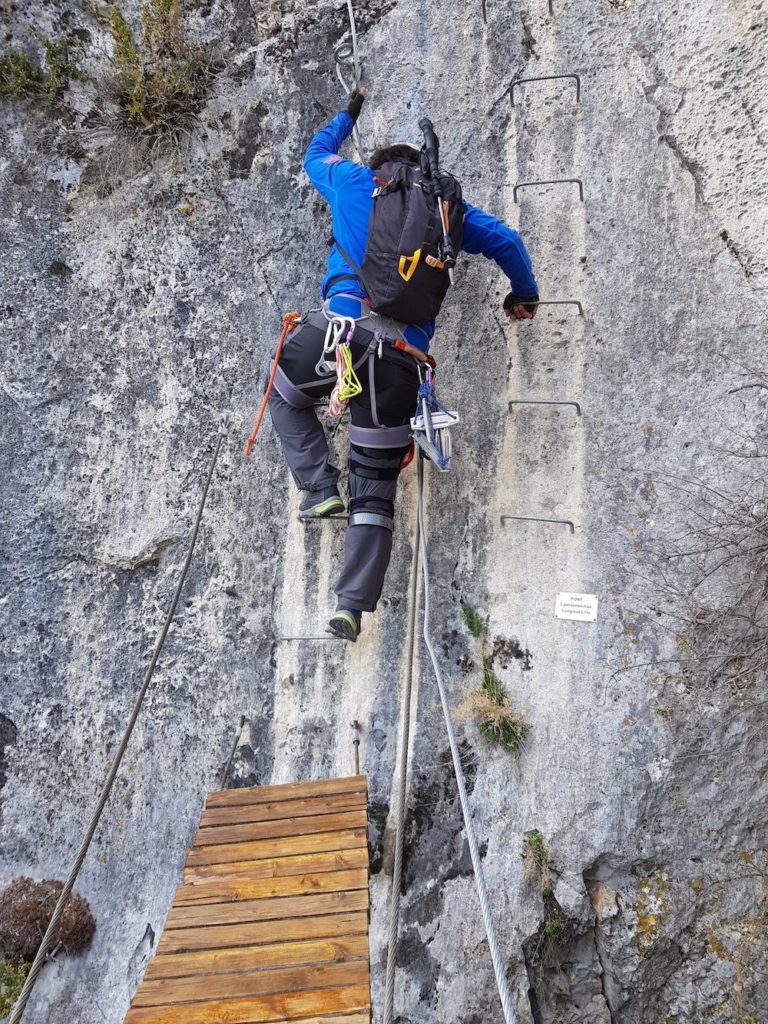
135, 311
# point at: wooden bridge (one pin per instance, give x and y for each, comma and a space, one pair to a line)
271, 921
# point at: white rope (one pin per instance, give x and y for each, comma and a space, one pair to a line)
402, 789
477, 865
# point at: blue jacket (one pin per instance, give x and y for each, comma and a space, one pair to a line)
348, 189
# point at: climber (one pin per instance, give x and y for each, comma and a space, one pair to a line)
386, 352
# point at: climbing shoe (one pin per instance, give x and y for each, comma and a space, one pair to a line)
321, 504
345, 624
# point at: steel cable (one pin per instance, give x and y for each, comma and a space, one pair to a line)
482, 889
402, 789
347, 55
45, 945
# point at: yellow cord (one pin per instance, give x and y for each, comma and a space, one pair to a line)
350, 384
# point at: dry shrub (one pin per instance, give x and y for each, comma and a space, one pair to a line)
26, 908
160, 84
489, 706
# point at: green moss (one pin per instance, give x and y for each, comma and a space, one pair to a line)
22, 77
474, 621
12, 978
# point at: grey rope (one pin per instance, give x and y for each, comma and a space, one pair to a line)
482, 889
405, 735
347, 55
42, 952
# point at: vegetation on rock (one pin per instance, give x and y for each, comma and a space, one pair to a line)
12, 978
161, 83
489, 705
22, 77
538, 871
26, 908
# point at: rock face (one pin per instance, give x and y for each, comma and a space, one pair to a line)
136, 308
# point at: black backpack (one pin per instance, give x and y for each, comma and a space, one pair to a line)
402, 272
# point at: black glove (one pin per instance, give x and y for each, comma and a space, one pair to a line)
355, 104
527, 301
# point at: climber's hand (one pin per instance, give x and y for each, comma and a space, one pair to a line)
355, 105
519, 312
517, 308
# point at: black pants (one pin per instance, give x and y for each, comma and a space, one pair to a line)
379, 439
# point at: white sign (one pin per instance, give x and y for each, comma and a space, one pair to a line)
578, 607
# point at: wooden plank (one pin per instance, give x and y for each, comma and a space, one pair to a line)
251, 958
259, 1010
319, 842
266, 909
280, 867
260, 888
273, 811
280, 829
287, 791
182, 940
251, 983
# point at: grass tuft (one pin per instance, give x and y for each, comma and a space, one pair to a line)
497, 722
474, 621
489, 705
536, 856
160, 84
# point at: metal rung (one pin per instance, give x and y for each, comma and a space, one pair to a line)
280, 638
546, 78
550, 181
539, 519
556, 302
541, 401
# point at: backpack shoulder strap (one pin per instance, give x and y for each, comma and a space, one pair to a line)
350, 261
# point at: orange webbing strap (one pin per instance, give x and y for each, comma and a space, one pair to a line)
290, 323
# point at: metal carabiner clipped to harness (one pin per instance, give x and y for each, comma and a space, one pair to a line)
431, 426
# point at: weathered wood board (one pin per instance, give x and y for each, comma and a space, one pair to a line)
271, 921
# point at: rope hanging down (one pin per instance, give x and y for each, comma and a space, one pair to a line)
402, 788
42, 952
477, 865
290, 323
482, 890
347, 57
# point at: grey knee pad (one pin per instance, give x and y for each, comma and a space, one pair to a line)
372, 487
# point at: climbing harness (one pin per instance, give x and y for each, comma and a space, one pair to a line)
347, 57
432, 423
290, 323
47, 940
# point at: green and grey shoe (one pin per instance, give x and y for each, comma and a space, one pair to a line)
321, 504
345, 624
